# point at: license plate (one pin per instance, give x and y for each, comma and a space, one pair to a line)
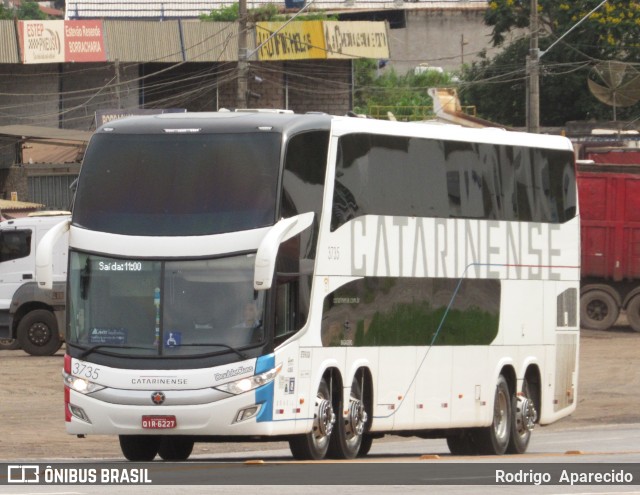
158, 422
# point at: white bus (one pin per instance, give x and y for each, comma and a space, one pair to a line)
322, 280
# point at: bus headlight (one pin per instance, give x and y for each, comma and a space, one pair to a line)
80, 384
246, 384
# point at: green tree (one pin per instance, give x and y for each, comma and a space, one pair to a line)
26, 11
610, 32
30, 10
6, 13
497, 87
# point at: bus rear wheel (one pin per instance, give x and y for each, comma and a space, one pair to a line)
176, 448
494, 439
523, 420
139, 448
315, 444
346, 442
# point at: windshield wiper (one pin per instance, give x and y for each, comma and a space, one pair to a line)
89, 350
239, 353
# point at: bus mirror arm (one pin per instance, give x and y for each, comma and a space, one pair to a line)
44, 254
282, 231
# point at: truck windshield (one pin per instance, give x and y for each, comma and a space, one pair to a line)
178, 185
163, 308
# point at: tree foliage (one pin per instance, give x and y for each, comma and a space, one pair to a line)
264, 13
498, 86
612, 30
26, 11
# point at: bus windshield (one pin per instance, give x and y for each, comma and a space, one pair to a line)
178, 184
163, 308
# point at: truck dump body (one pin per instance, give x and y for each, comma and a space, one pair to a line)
609, 194
610, 212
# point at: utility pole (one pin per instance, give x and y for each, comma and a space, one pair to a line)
243, 64
533, 69
533, 65
462, 45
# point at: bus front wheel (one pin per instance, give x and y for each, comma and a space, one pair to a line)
139, 448
494, 439
315, 444
461, 443
175, 448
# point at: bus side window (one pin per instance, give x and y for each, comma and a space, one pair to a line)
286, 304
15, 244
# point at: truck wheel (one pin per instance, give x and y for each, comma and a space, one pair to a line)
633, 313
38, 333
598, 310
9, 344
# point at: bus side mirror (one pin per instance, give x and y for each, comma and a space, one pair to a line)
267, 252
44, 254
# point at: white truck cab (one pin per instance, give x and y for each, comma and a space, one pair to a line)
31, 317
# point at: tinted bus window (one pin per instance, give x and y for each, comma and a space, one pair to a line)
178, 185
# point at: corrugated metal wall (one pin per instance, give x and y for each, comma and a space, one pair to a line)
142, 41
53, 191
8, 45
210, 41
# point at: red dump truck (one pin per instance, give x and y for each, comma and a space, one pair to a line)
609, 193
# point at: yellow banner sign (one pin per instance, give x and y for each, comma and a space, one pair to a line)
295, 41
356, 39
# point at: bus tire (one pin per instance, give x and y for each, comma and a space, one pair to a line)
524, 417
347, 438
175, 448
462, 444
365, 446
633, 313
494, 439
38, 333
315, 444
9, 344
139, 448
598, 310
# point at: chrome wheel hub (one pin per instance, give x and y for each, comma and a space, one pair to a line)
356, 419
325, 418
526, 414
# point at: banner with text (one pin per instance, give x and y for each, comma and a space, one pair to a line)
43, 42
356, 39
294, 41
84, 41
